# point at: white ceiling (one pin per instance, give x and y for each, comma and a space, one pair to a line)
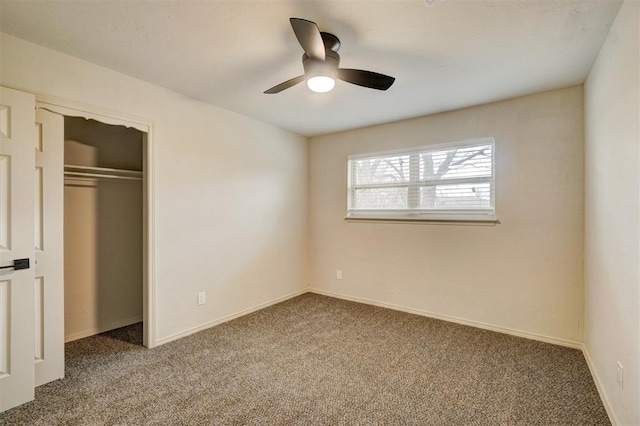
454, 54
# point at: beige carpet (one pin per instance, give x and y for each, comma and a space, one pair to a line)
315, 360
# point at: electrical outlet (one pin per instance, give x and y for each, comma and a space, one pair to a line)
202, 298
339, 274
620, 374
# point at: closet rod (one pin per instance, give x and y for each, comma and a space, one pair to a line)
101, 172
98, 175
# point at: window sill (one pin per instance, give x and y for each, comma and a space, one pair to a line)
479, 221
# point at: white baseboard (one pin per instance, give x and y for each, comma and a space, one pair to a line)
224, 319
106, 327
526, 335
600, 387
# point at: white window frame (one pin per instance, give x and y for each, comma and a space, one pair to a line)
412, 213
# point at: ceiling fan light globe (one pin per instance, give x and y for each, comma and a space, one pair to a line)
321, 83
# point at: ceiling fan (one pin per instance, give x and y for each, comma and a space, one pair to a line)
321, 60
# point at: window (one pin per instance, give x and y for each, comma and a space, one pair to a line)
453, 182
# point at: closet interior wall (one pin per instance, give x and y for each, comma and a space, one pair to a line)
103, 223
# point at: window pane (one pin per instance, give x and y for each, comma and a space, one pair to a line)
392, 169
425, 182
460, 196
457, 163
380, 198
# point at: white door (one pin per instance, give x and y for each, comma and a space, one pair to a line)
17, 165
48, 242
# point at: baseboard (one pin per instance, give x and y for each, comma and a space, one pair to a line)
110, 326
600, 387
518, 333
224, 319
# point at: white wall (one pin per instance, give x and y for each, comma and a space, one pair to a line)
612, 219
229, 191
524, 275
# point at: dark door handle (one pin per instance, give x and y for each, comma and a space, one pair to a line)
18, 264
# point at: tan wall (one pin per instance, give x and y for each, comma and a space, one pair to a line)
230, 191
612, 195
524, 274
91, 143
103, 257
102, 231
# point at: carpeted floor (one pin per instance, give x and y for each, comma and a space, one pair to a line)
315, 360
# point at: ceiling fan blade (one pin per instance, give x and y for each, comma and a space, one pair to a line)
309, 37
280, 87
370, 79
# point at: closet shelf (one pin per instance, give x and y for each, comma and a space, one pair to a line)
101, 172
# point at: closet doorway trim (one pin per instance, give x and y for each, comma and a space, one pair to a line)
74, 109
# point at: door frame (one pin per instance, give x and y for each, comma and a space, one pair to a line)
67, 107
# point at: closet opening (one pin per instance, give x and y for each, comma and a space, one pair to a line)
104, 229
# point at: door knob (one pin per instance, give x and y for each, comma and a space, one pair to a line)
18, 264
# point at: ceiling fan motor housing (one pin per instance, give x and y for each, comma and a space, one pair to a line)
328, 67
330, 41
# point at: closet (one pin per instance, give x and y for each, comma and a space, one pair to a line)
103, 227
